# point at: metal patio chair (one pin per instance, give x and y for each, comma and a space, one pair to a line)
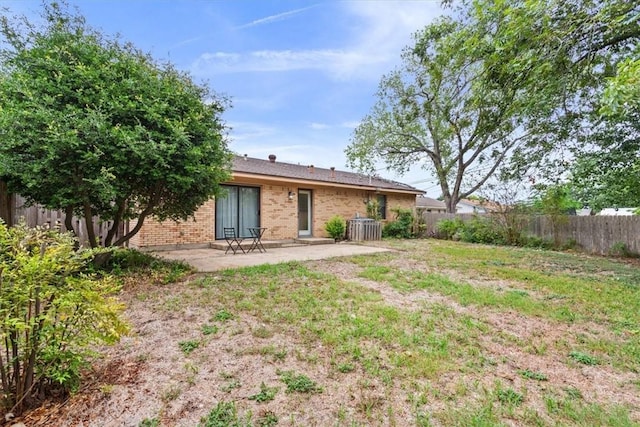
233, 241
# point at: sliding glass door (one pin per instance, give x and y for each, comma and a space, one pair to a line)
240, 209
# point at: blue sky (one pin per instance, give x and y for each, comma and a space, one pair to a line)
300, 74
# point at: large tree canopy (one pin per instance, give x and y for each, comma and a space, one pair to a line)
97, 128
607, 173
506, 80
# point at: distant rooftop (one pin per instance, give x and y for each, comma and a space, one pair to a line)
271, 167
429, 203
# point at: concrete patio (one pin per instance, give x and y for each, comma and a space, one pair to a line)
208, 259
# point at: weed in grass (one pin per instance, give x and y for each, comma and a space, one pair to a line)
423, 420
149, 422
224, 414
261, 332
577, 412
209, 329
536, 348
368, 403
298, 383
341, 414
267, 419
509, 396
532, 375
188, 347
142, 296
477, 416
566, 315
192, 372
519, 292
173, 275
229, 386
345, 368
280, 354
266, 394
171, 393
106, 389
203, 282
573, 393
222, 316
267, 350
584, 358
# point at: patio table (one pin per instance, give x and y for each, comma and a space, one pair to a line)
256, 235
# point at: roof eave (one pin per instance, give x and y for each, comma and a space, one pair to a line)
283, 179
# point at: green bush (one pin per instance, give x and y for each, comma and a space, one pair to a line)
476, 230
402, 226
482, 230
336, 227
448, 229
52, 309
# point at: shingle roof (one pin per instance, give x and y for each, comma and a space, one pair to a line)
249, 165
428, 202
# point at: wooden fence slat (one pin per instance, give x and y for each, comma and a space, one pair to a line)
593, 234
38, 216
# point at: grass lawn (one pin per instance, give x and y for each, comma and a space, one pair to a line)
434, 333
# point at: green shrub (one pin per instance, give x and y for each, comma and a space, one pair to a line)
52, 309
402, 226
336, 227
449, 228
482, 230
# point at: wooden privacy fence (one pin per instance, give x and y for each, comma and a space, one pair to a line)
593, 234
360, 229
14, 211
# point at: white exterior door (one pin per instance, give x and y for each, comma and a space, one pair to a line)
304, 213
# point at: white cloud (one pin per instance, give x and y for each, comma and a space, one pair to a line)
319, 126
270, 103
275, 18
386, 28
338, 62
379, 31
242, 131
350, 125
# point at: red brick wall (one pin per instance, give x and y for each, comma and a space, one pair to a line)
199, 230
278, 214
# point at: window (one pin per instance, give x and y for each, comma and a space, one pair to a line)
240, 209
382, 206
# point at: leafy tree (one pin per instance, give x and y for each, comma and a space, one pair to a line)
607, 174
504, 81
95, 127
557, 199
622, 94
556, 202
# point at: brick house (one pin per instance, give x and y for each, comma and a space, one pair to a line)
291, 201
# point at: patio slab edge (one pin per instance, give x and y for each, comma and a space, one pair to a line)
206, 260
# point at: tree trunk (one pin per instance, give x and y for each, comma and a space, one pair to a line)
88, 220
450, 203
68, 220
6, 204
116, 223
